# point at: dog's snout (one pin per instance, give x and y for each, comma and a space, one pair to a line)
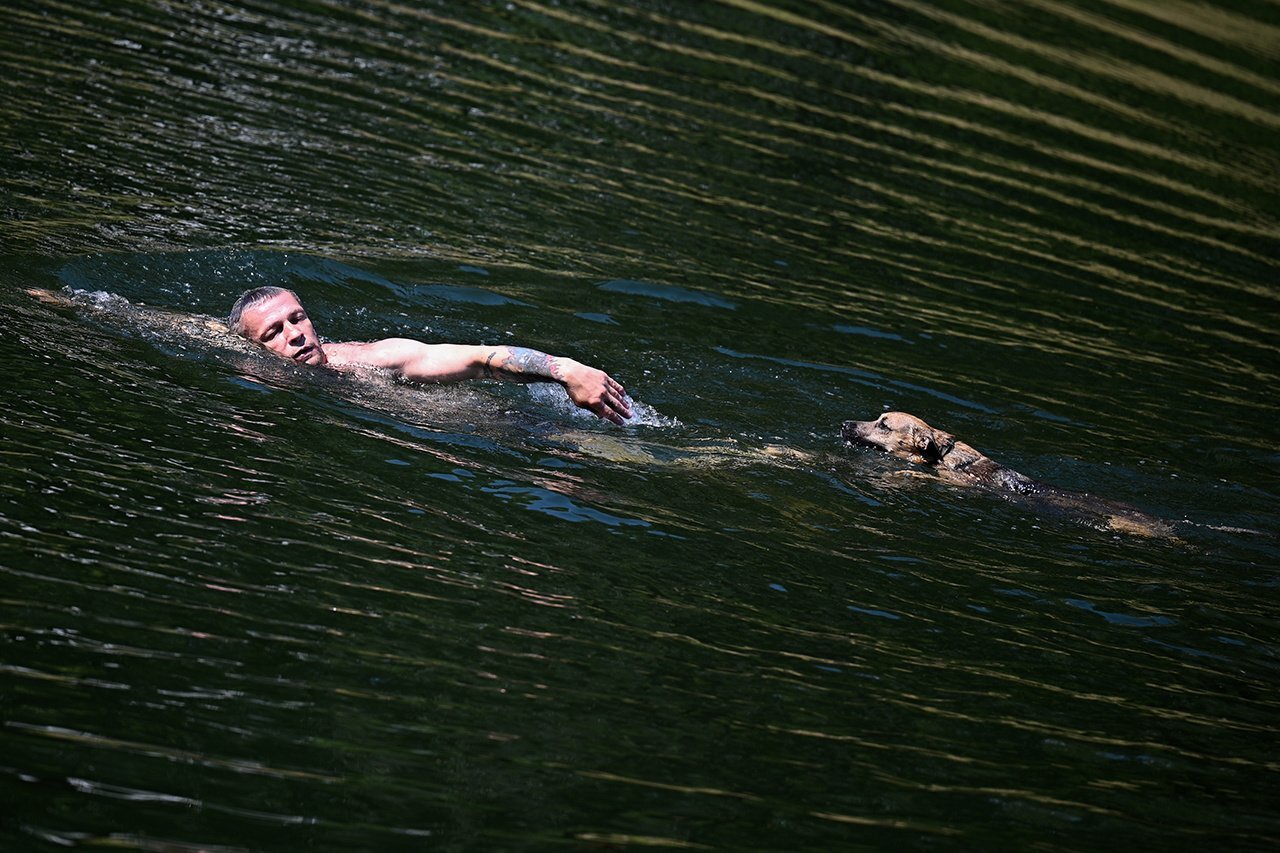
854, 431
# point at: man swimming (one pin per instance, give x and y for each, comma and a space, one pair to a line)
274, 318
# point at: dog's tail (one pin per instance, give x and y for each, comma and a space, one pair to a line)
1227, 528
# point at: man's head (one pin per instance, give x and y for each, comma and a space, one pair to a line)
275, 318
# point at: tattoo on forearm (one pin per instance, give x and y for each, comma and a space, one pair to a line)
528, 365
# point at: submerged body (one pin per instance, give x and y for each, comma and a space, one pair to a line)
910, 438
275, 319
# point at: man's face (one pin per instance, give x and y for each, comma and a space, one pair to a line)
281, 325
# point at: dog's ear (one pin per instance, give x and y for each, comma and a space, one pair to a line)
932, 445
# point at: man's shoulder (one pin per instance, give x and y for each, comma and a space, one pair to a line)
388, 352
350, 352
343, 350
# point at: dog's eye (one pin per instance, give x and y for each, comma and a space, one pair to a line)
882, 426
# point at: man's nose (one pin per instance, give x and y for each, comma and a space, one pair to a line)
296, 337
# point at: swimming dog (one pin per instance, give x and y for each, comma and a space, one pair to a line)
910, 438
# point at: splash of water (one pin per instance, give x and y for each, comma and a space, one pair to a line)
642, 414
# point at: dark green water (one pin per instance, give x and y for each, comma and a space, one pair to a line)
252, 607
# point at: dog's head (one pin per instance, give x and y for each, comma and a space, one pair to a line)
903, 435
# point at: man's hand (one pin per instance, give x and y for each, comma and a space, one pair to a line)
594, 390
49, 297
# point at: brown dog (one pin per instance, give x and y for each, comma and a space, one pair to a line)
910, 438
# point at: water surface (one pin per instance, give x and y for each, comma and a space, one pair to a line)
249, 606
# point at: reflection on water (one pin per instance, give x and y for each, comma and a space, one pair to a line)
250, 606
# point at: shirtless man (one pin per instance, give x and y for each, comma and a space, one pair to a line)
274, 318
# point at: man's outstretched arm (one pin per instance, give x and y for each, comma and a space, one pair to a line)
589, 388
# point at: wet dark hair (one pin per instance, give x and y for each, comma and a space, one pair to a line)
248, 299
